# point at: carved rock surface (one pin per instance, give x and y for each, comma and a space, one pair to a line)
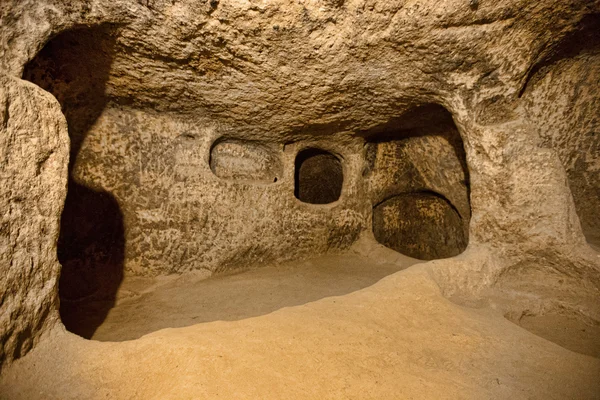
420, 225
34, 149
147, 87
246, 161
564, 104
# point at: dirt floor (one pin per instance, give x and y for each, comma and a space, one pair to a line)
146, 305
337, 327
569, 332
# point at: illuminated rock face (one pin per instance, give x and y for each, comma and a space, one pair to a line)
34, 147
188, 122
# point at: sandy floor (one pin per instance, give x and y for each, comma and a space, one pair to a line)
149, 304
569, 332
333, 328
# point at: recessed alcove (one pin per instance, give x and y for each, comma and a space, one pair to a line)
74, 66
419, 184
246, 160
422, 225
319, 176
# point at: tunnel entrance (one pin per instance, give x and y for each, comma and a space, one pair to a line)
318, 177
74, 66
419, 184
431, 227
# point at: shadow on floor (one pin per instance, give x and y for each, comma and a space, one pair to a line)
188, 300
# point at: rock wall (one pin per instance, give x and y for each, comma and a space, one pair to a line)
34, 148
167, 192
564, 105
420, 225
178, 215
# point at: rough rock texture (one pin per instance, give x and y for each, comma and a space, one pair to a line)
148, 87
245, 161
178, 215
418, 183
564, 104
34, 149
420, 225
179, 187
427, 163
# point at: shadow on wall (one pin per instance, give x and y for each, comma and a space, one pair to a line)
419, 184
74, 66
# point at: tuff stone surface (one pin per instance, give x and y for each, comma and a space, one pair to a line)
420, 225
563, 103
34, 148
246, 161
149, 87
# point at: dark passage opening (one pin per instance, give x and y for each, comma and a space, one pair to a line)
318, 177
421, 225
419, 184
74, 66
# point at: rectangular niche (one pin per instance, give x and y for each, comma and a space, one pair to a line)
318, 177
247, 161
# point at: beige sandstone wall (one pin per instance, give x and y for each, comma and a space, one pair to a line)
564, 105
34, 149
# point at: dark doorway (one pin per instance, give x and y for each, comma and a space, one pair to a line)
318, 177
74, 66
